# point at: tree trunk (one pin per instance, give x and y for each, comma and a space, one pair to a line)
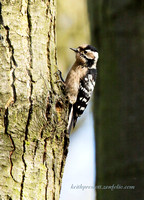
117, 29
33, 107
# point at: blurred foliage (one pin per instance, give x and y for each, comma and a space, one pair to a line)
72, 30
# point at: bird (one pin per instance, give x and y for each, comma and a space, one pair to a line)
80, 81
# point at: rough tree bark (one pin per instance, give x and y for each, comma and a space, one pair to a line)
33, 107
117, 29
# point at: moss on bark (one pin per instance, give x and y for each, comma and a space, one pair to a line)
33, 106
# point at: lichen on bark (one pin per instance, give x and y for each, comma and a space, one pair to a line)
33, 106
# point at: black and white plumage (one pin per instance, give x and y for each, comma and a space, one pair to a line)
85, 91
80, 81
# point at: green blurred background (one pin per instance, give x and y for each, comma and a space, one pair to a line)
116, 28
72, 30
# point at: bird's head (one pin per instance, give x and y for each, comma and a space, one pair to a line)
86, 55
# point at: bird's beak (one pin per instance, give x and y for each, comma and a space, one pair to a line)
75, 50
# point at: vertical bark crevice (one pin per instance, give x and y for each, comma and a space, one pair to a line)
22, 186
29, 33
27, 131
12, 72
11, 48
25, 167
45, 163
30, 85
1, 18
13, 63
54, 28
11, 153
6, 123
46, 187
51, 32
54, 174
45, 151
47, 8
48, 54
48, 107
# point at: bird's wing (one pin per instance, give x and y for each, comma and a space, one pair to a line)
85, 91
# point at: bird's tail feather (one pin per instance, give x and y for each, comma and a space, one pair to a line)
71, 119
74, 121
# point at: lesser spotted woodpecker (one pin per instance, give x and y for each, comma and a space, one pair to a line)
80, 81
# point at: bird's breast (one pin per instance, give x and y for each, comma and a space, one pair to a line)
73, 82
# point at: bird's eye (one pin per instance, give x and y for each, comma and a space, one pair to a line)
85, 52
